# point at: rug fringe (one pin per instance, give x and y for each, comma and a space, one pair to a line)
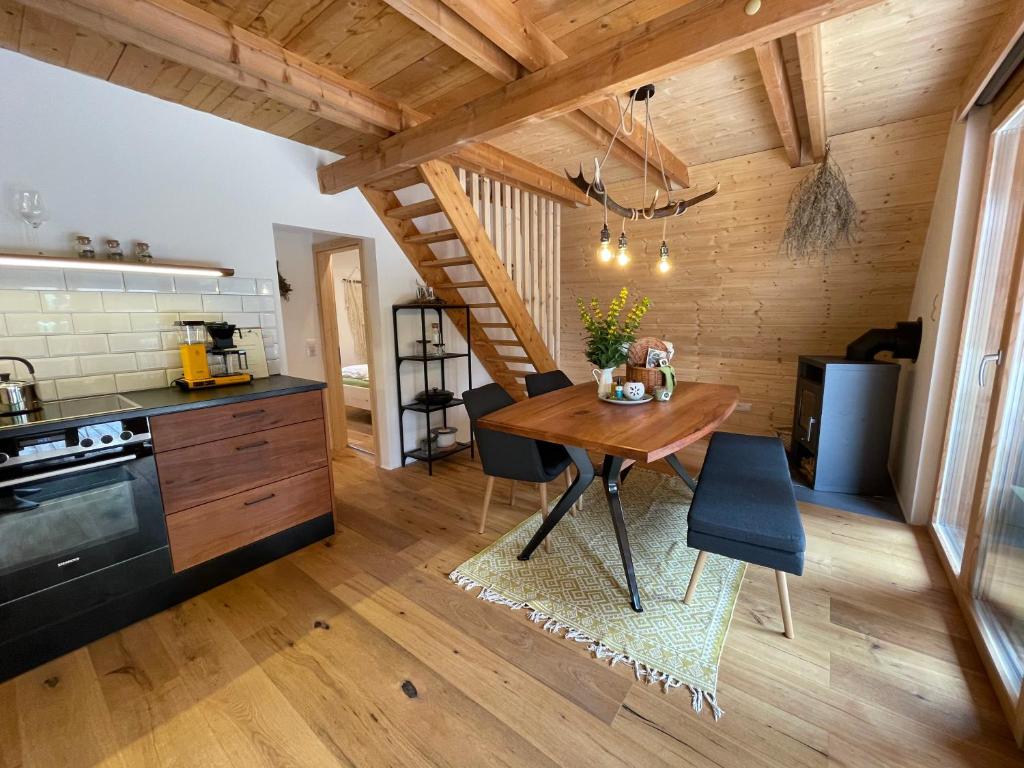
643, 672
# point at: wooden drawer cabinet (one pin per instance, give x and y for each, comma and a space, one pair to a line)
180, 430
212, 470
218, 527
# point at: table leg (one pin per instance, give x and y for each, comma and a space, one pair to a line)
584, 477
610, 476
673, 462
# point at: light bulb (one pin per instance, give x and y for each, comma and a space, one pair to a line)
622, 258
604, 249
663, 262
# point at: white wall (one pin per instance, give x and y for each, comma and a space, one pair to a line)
939, 296
111, 162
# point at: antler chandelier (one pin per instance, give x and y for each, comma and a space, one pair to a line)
596, 189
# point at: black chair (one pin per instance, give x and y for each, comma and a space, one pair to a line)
509, 456
540, 384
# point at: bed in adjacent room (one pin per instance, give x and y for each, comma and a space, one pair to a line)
356, 380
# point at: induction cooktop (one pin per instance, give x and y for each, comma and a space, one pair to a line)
72, 408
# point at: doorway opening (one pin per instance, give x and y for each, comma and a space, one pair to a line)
347, 345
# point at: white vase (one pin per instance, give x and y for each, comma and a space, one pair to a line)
603, 377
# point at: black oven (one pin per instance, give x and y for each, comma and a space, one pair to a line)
81, 521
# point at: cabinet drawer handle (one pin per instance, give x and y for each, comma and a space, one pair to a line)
243, 414
261, 498
260, 444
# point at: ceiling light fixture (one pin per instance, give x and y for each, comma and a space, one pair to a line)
596, 189
61, 262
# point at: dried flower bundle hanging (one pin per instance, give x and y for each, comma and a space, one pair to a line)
821, 213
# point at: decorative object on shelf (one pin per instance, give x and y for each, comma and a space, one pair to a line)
662, 394
64, 262
596, 189
283, 286
142, 254
432, 358
445, 436
435, 396
425, 294
607, 339
114, 252
83, 247
822, 213
29, 206
634, 390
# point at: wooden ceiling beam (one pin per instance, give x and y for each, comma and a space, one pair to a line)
1007, 31
181, 32
507, 29
652, 51
812, 76
772, 63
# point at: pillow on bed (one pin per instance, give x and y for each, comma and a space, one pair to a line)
360, 371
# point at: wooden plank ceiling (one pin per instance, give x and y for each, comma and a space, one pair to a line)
897, 60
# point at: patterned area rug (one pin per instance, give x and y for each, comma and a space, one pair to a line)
579, 586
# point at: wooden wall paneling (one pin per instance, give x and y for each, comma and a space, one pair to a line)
738, 311
508, 234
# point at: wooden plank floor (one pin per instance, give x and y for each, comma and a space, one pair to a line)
359, 652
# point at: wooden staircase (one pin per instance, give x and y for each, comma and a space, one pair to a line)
510, 347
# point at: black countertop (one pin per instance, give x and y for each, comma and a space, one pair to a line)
154, 402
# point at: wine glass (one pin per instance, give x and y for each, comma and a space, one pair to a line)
28, 204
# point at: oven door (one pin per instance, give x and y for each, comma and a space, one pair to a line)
58, 524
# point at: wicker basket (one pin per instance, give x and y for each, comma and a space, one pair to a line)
649, 377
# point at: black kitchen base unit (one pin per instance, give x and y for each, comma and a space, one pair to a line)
77, 627
842, 424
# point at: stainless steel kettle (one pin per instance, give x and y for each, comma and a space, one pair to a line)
18, 396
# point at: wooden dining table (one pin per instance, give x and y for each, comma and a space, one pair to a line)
624, 433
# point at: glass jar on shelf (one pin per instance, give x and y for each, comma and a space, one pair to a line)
114, 252
142, 253
83, 247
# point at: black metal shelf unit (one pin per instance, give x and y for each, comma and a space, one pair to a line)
430, 454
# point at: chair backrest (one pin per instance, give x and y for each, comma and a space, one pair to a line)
502, 454
542, 383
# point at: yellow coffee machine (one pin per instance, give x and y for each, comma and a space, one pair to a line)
209, 357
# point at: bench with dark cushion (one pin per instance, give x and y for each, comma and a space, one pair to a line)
744, 508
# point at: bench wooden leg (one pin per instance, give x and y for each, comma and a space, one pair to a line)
487, 502
544, 511
512, 494
787, 615
702, 558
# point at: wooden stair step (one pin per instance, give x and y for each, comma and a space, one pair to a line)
443, 263
486, 305
410, 177
414, 210
467, 284
512, 359
506, 342
425, 238
494, 325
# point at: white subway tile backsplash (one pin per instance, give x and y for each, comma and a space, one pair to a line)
156, 321
170, 339
141, 282
88, 280
238, 285
102, 322
83, 344
217, 303
94, 364
274, 367
135, 342
206, 317
265, 287
129, 302
257, 303
63, 301
179, 302
19, 301
172, 374
268, 320
243, 319
46, 390
270, 335
273, 351
38, 324
85, 387
31, 279
153, 360
3, 326
127, 382
23, 346
56, 367
189, 284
